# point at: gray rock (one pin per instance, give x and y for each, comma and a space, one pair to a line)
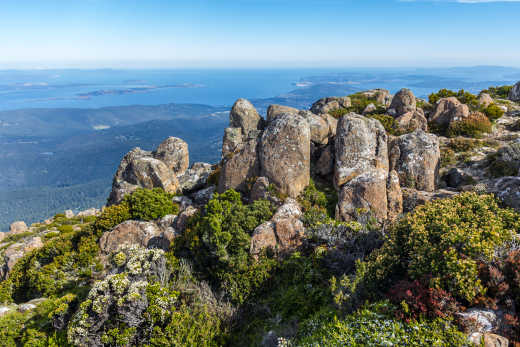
485, 100
325, 105
260, 189
455, 178
183, 201
403, 102
132, 233
69, 214
413, 198
369, 109
182, 219
285, 153
325, 164
381, 96
412, 121
173, 152
231, 142
17, 227
89, 212
274, 111
201, 197
360, 145
415, 157
449, 110
319, 127
195, 177
239, 167
394, 196
243, 115
514, 94
507, 189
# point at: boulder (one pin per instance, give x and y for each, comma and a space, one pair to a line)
332, 122
514, 94
274, 111
507, 189
151, 173
411, 121
413, 198
69, 214
243, 115
195, 177
403, 102
394, 196
319, 127
183, 201
455, 178
17, 227
381, 96
182, 219
369, 109
131, 233
2, 236
260, 189
173, 152
91, 212
15, 252
239, 167
325, 105
285, 153
415, 157
485, 100
366, 191
449, 110
283, 233
360, 145
201, 197
231, 142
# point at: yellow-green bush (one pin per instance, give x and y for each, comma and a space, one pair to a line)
150, 204
474, 126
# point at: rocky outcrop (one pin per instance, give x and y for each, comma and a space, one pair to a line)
17, 227
449, 110
394, 196
260, 189
366, 192
158, 169
282, 234
16, 251
507, 189
231, 142
132, 233
415, 157
239, 167
411, 121
319, 127
243, 115
285, 153
413, 197
403, 102
514, 94
174, 153
380, 96
325, 105
360, 145
325, 164
274, 111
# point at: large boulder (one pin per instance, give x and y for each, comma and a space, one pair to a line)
449, 110
17, 227
365, 192
143, 169
285, 153
243, 115
325, 105
514, 94
324, 166
319, 126
260, 189
360, 145
415, 157
274, 111
283, 233
173, 152
413, 197
403, 102
16, 251
394, 196
485, 100
239, 167
133, 233
231, 142
380, 96
411, 121
507, 189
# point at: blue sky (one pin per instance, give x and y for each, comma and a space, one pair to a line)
258, 33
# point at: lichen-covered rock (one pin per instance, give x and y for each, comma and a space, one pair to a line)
232, 140
325, 105
15, 252
17, 227
239, 167
285, 153
413, 197
195, 177
69, 214
367, 192
360, 145
182, 219
201, 197
514, 94
381, 96
274, 111
243, 115
507, 189
403, 102
131, 233
325, 164
415, 157
449, 110
173, 152
485, 100
89, 212
121, 299
394, 196
411, 121
282, 234
260, 189
369, 109
319, 127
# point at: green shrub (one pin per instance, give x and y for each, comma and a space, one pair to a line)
444, 239
447, 157
388, 123
318, 203
501, 92
460, 144
374, 325
463, 96
150, 204
112, 216
337, 113
493, 112
474, 126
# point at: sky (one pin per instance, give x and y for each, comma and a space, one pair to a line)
257, 33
